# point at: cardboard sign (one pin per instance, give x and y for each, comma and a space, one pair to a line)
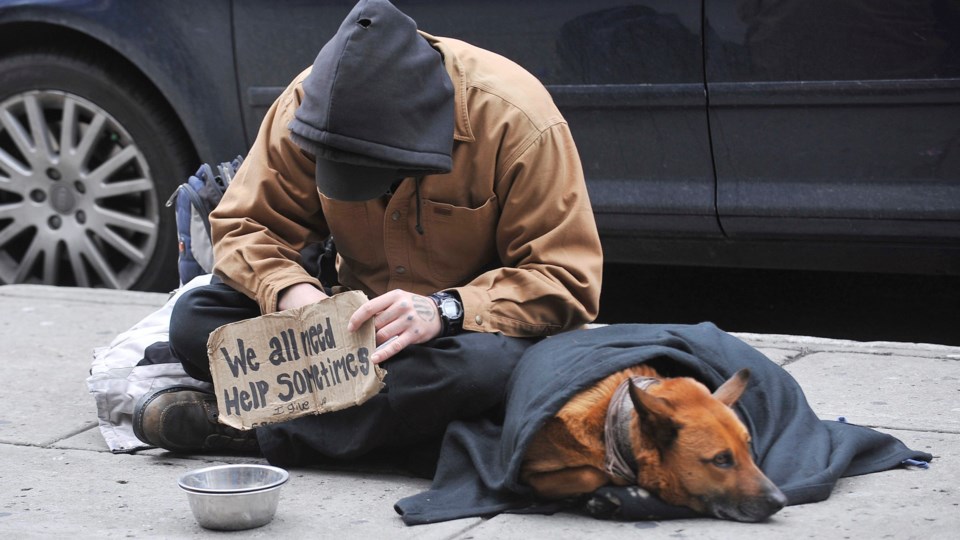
289, 364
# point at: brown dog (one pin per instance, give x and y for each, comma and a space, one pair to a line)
671, 437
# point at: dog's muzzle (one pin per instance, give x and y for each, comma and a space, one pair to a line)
751, 509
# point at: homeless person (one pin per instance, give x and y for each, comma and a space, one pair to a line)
455, 194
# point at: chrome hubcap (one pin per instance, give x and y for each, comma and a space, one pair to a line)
77, 202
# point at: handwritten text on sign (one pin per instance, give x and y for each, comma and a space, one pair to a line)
301, 361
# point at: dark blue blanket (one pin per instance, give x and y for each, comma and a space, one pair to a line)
478, 470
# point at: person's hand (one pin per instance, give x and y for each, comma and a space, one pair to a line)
409, 317
299, 295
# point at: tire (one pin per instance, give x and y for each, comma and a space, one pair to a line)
87, 158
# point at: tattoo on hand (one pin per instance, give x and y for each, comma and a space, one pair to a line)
425, 308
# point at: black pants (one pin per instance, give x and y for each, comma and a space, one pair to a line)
427, 386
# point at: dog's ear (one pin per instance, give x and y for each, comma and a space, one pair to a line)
730, 391
655, 417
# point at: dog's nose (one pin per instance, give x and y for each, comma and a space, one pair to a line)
771, 503
776, 500
759, 508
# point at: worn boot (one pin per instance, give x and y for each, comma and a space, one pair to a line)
184, 419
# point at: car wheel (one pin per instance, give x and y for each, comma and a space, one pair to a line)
86, 159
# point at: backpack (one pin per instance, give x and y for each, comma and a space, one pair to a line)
195, 199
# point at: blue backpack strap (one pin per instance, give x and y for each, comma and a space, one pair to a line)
195, 199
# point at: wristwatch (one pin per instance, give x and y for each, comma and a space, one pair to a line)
451, 312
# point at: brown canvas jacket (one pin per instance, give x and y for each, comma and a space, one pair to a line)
510, 228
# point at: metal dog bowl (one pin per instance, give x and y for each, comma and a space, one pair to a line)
234, 497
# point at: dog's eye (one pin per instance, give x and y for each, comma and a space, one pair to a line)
723, 460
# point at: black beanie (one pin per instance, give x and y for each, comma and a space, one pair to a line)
377, 106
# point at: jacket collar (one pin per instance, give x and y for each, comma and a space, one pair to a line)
461, 127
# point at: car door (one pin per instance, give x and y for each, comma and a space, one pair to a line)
836, 119
628, 77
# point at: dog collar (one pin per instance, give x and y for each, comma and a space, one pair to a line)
620, 460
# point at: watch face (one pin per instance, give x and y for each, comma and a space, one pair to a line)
451, 309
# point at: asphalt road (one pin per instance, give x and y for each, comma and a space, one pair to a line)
861, 307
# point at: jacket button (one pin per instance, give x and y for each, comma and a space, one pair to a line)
478, 319
395, 215
400, 270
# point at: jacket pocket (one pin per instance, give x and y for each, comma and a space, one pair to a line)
461, 241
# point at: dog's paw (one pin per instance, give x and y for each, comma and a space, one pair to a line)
632, 503
607, 503
603, 505
637, 492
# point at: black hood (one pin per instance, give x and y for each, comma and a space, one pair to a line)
378, 100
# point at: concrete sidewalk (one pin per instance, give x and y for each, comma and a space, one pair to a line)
58, 479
